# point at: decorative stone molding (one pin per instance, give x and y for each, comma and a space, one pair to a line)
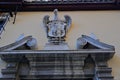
83, 64
87, 62
25, 43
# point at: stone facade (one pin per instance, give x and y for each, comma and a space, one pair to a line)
89, 63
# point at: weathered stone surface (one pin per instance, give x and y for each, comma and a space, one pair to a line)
57, 61
11, 72
57, 29
61, 64
103, 72
61, 46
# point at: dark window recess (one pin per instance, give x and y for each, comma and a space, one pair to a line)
4, 17
68, 5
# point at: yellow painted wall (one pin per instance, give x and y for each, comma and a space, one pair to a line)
105, 24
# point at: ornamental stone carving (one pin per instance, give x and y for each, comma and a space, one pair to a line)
57, 62
56, 29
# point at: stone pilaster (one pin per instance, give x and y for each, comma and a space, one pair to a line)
103, 72
11, 72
